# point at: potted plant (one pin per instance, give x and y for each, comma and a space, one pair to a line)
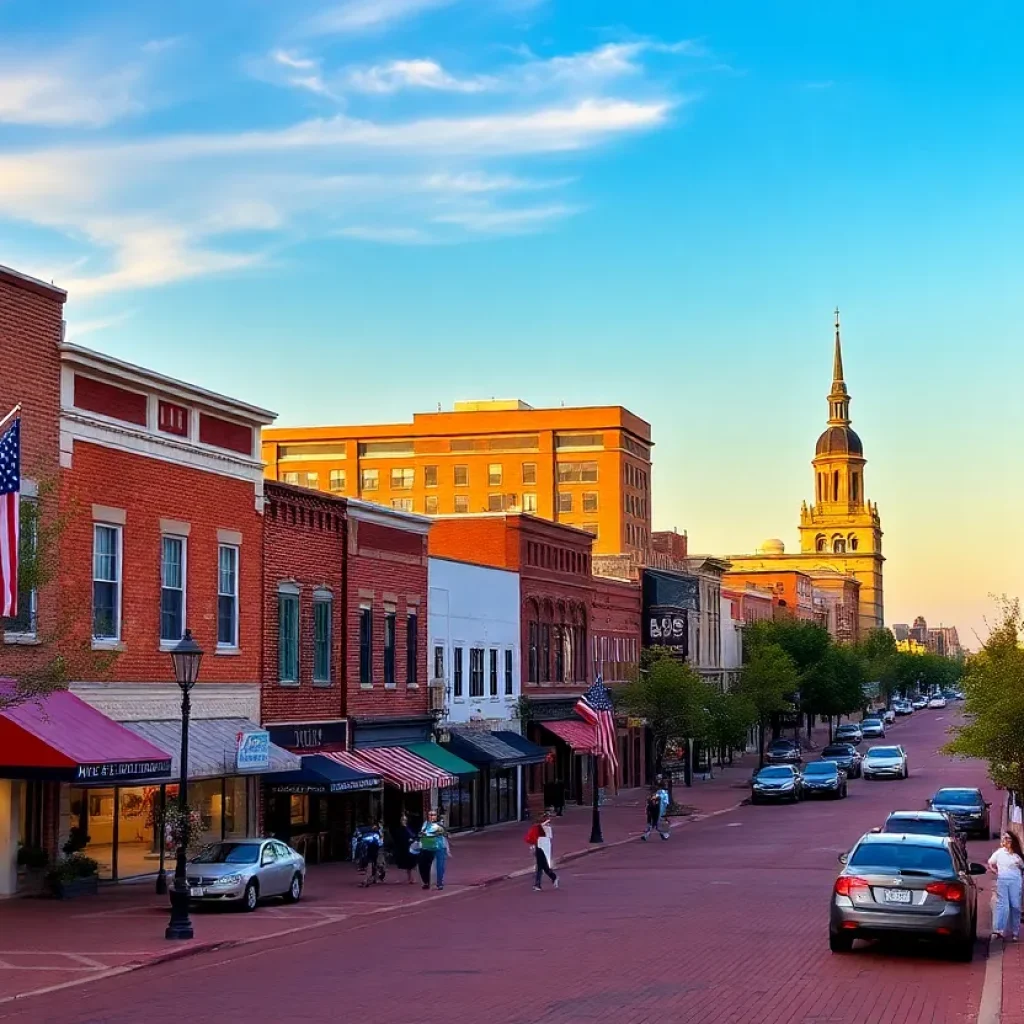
32, 865
74, 874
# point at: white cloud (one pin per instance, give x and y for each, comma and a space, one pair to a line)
386, 235
368, 15
79, 328
508, 221
295, 71
162, 45
414, 74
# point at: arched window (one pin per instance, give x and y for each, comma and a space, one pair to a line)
835, 485
819, 542
838, 545
853, 542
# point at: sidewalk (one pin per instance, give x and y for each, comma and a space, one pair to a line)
45, 943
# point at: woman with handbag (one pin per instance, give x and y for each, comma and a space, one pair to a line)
432, 834
406, 847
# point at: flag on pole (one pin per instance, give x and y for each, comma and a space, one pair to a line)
10, 489
596, 707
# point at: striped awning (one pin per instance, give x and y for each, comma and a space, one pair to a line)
581, 736
402, 769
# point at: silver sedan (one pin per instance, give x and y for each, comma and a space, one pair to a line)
245, 871
885, 763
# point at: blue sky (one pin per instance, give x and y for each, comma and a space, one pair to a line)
353, 210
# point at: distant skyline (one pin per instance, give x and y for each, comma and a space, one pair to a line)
351, 210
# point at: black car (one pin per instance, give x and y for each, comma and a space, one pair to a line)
783, 752
923, 823
845, 756
966, 808
824, 778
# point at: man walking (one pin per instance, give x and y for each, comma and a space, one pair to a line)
657, 808
539, 839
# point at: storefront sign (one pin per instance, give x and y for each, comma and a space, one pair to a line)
667, 627
635, 723
114, 771
253, 751
355, 786
309, 737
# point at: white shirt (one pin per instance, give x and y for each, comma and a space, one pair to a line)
1006, 864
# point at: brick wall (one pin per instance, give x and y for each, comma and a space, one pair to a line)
30, 332
382, 571
485, 540
148, 490
304, 544
616, 608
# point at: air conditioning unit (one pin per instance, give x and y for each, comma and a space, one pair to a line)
435, 695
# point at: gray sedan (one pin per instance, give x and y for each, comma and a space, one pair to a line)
885, 763
245, 871
913, 886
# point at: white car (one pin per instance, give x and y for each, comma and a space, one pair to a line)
873, 728
918, 704
937, 702
885, 763
889, 716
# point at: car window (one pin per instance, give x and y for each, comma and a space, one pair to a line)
837, 750
965, 797
821, 768
228, 853
884, 752
872, 721
282, 851
269, 854
775, 773
781, 745
901, 857
917, 826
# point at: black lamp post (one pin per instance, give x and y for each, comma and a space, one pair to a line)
595, 815
186, 657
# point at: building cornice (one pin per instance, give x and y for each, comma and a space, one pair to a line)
32, 284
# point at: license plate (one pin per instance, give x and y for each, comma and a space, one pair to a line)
897, 895
195, 892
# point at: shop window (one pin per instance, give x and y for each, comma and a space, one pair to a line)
236, 807
457, 672
106, 582
227, 596
389, 648
172, 589
494, 672
365, 646
411, 649
323, 614
287, 636
476, 672
298, 809
509, 687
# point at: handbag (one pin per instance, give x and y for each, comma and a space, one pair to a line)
415, 847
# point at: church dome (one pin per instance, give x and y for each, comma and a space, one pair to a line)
839, 441
772, 546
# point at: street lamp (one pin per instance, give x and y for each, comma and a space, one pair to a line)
185, 657
595, 813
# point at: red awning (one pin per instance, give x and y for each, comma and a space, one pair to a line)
400, 767
61, 737
579, 735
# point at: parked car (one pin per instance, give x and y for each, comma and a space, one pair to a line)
776, 782
824, 778
783, 752
246, 871
903, 707
967, 809
885, 763
913, 886
923, 823
919, 703
889, 716
844, 755
872, 728
937, 702
849, 733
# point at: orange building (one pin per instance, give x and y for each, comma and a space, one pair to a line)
586, 467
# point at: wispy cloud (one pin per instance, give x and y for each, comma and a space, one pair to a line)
506, 221
386, 235
368, 15
79, 328
414, 74
296, 71
163, 45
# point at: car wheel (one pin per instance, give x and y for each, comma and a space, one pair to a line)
839, 942
754, 799
962, 950
251, 896
294, 893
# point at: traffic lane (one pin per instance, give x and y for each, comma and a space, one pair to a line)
726, 922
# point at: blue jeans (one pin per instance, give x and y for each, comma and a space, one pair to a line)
1007, 905
440, 860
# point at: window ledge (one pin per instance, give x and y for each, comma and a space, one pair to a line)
231, 652
292, 684
322, 684
366, 686
412, 686
391, 686
22, 639
107, 645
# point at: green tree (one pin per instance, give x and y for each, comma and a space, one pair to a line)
768, 682
878, 655
728, 717
994, 689
836, 684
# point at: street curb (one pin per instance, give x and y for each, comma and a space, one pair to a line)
186, 952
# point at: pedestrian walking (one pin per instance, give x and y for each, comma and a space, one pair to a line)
442, 853
371, 842
402, 840
540, 840
657, 809
431, 835
1007, 864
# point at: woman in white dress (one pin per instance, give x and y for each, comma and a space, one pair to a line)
1007, 864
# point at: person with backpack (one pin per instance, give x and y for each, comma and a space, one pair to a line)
371, 843
657, 808
539, 839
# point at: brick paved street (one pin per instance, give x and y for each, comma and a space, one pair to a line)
725, 923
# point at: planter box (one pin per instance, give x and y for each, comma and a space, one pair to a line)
31, 881
78, 887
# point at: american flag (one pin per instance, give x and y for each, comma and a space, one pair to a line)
10, 487
595, 707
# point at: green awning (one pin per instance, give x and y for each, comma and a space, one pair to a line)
441, 758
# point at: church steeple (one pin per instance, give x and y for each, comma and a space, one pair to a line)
838, 397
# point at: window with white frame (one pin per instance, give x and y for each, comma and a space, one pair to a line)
288, 634
476, 672
323, 611
369, 479
401, 504
529, 502
494, 474
227, 595
402, 479
457, 672
106, 582
172, 589
508, 674
438, 661
494, 672
337, 480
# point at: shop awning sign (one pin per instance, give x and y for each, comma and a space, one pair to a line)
117, 771
253, 752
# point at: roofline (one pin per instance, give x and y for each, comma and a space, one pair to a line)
309, 493
456, 517
31, 284
101, 361
475, 565
368, 512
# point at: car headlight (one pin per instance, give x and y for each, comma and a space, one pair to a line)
226, 880
786, 785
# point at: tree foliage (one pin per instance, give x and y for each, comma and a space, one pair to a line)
994, 689
768, 682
